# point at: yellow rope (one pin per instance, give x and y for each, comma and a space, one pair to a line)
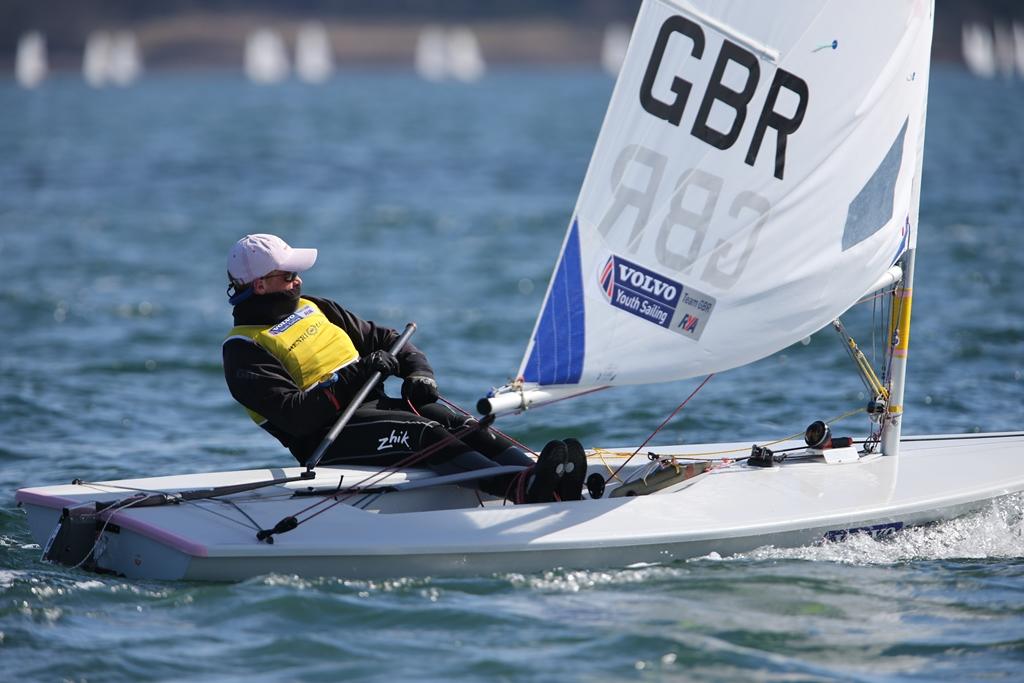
867, 371
602, 452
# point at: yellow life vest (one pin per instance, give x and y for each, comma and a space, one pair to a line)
310, 346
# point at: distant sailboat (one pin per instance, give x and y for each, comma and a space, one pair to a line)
978, 50
314, 61
465, 61
96, 58
111, 59
266, 61
1018, 47
431, 54
452, 54
613, 49
1004, 51
30, 63
124, 65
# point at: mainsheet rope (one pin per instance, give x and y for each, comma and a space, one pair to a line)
493, 428
518, 483
661, 426
601, 452
614, 473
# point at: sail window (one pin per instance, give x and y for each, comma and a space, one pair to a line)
872, 208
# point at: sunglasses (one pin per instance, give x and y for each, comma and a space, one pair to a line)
288, 277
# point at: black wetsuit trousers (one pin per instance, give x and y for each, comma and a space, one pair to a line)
385, 431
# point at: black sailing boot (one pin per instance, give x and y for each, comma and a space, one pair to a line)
571, 485
547, 473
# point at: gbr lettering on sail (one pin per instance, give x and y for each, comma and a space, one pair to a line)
710, 98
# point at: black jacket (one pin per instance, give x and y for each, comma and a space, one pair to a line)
300, 419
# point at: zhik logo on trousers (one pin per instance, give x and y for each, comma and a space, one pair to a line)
393, 439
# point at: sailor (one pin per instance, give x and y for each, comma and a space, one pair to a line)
295, 362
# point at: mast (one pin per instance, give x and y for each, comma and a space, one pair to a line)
899, 335
899, 327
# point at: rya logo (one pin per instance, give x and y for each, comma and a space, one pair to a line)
393, 439
688, 323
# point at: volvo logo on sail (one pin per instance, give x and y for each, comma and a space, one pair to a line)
632, 288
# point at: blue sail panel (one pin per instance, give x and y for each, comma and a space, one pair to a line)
558, 346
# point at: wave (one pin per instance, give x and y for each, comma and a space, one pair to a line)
996, 532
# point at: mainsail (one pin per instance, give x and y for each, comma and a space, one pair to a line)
755, 175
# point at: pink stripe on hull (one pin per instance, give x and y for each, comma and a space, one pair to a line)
120, 518
157, 534
42, 500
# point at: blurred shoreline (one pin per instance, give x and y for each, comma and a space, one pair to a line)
203, 40
216, 40
207, 36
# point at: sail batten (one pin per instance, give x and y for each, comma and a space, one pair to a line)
753, 178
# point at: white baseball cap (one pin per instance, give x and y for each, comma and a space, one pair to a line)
254, 256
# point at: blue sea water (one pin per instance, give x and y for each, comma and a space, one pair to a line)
446, 204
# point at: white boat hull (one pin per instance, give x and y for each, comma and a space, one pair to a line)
444, 531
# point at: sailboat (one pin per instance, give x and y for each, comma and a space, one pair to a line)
1018, 48
30, 64
757, 174
266, 61
111, 59
314, 62
124, 65
96, 58
979, 50
1004, 50
613, 48
465, 61
431, 59
453, 53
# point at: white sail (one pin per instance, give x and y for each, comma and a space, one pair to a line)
1005, 50
124, 63
979, 50
613, 48
443, 54
30, 60
431, 59
111, 59
96, 59
1018, 47
465, 61
266, 61
753, 178
314, 61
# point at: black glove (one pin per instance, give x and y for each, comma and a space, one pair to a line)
383, 362
419, 390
